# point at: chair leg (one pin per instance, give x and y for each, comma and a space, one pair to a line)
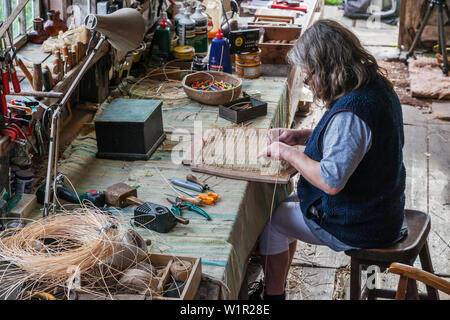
355, 279
411, 290
425, 261
371, 293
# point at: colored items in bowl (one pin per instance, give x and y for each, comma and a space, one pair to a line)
211, 85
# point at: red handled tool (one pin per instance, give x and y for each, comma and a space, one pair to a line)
12, 70
3, 104
287, 5
14, 79
5, 79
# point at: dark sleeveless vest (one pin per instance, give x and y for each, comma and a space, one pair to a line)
369, 211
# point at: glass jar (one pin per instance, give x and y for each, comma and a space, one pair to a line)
38, 34
54, 24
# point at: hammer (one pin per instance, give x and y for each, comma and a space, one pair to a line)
121, 195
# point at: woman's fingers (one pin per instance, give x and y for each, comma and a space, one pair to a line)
273, 135
265, 153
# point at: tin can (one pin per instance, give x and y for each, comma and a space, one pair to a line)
248, 71
24, 181
249, 58
183, 52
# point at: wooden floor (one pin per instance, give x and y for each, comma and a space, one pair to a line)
427, 161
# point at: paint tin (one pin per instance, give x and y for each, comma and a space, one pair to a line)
24, 181
248, 71
183, 52
249, 58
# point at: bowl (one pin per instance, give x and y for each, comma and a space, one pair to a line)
212, 97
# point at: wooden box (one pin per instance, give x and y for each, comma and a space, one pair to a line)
161, 260
258, 108
275, 53
129, 129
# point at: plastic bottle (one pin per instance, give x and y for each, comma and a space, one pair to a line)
201, 30
178, 17
168, 22
213, 10
160, 47
219, 54
186, 31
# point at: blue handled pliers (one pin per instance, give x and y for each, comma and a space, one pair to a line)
179, 205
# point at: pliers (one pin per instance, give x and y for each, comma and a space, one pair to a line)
179, 205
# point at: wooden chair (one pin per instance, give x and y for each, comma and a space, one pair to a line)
407, 272
405, 252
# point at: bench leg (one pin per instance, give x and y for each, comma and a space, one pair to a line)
425, 261
355, 279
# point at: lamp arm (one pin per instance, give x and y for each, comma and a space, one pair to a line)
82, 72
54, 131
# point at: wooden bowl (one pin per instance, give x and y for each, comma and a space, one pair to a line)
212, 97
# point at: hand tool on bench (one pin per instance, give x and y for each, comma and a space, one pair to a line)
97, 198
196, 201
179, 205
25, 71
207, 198
193, 179
186, 184
156, 217
121, 195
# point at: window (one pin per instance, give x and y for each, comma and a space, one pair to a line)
24, 21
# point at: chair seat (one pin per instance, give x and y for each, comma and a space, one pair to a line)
404, 251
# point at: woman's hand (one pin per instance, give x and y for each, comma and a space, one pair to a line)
306, 166
291, 137
275, 151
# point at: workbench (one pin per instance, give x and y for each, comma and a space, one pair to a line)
224, 243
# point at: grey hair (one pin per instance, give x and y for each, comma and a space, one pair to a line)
335, 61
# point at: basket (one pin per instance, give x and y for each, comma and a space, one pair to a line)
212, 97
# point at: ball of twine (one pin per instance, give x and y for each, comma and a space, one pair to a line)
138, 281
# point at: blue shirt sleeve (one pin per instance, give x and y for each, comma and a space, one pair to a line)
344, 143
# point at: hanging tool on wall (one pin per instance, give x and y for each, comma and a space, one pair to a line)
12, 70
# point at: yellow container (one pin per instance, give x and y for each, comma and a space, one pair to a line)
249, 58
248, 71
183, 52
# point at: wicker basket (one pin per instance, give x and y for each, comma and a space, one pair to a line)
212, 97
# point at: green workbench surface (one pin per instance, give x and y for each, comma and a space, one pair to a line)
237, 218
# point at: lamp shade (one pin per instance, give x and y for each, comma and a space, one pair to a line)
124, 29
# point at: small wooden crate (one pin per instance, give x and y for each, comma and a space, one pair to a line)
161, 260
257, 109
275, 53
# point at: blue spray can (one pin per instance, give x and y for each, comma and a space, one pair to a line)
219, 54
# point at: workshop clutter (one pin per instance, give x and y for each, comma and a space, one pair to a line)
87, 254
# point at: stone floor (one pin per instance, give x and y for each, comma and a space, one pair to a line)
318, 273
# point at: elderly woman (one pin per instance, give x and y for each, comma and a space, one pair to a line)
351, 190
